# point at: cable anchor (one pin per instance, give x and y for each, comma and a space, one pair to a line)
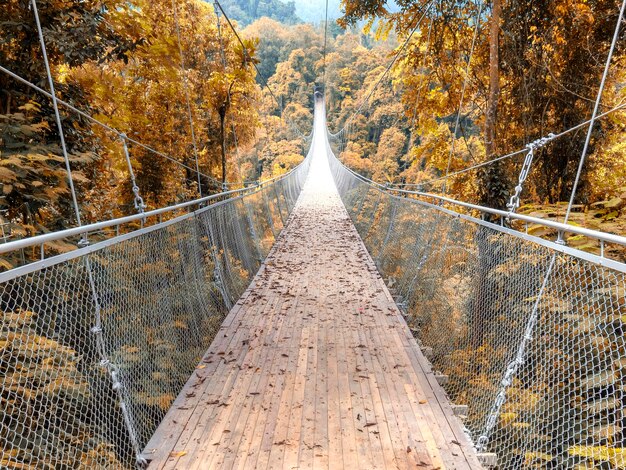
139, 204
532, 147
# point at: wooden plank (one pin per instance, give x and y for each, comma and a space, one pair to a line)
368, 417
450, 437
347, 417
335, 436
387, 374
239, 336
225, 438
274, 438
294, 414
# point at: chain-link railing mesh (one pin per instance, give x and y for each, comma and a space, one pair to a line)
94, 349
531, 339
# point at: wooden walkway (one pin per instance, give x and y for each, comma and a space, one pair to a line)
314, 367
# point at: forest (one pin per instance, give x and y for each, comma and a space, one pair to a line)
183, 89
170, 81
478, 81
163, 102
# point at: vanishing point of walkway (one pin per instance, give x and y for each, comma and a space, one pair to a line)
314, 367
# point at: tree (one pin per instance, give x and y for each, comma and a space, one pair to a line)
34, 191
247, 11
231, 89
540, 77
493, 182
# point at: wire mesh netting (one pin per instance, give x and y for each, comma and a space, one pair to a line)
531, 339
95, 348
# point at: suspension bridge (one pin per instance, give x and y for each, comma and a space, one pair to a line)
315, 320
314, 367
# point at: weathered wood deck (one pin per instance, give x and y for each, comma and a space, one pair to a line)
314, 367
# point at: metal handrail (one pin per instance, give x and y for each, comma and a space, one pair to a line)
43, 239
559, 227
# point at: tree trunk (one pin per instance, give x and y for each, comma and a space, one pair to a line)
492, 194
494, 80
494, 187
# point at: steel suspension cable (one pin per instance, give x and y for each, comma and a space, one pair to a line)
187, 97
245, 51
258, 71
512, 154
57, 114
390, 65
463, 90
325, 46
98, 122
596, 107
96, 330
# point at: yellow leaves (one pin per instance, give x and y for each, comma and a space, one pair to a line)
181, 325
6, 174
616, 456
62, 72
507, 418
60, 246
30, 106
5, 264
179, 453
383, 30
17, 319
532, 457
9, 463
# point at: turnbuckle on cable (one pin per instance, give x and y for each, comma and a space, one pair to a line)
140, 206
514, 203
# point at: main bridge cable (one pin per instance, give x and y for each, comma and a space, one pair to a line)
259, 74
96, 330
107, 127
57, 114
463, 90
596, 107
551, 137
531, 325
325, 46
389, 66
